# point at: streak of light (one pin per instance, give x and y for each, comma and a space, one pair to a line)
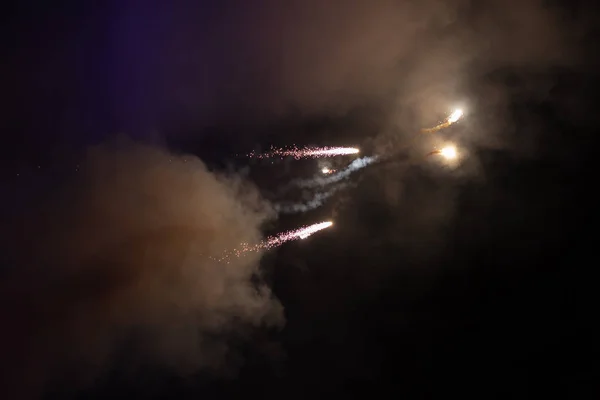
306, 152
277, 240
452, 118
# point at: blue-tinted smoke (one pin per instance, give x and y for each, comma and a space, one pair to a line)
322, 181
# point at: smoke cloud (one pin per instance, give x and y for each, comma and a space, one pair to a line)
266, 58
179, 67
118, 262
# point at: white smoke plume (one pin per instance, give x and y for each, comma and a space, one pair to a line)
317, 201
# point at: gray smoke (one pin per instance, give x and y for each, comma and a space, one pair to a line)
119, 261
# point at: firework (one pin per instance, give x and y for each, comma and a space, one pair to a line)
327, 171
306, 152
277, 240
450, 156
455, 116
449, 152
301, 233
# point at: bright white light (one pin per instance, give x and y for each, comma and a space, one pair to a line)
448, 152
326, 170
455, 116
306, 232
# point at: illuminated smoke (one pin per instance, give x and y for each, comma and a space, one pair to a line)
93, 271
322, 181
306, 152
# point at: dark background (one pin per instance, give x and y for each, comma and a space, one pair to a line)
478, 281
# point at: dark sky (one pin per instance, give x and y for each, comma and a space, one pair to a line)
121, 124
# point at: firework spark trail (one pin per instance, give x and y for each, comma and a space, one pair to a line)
322, 181
455, 116
315, 202
306, 152
301, 233
277, 240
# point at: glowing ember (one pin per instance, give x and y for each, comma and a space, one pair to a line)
448, 152
455, 116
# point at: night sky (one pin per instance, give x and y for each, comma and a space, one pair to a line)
125, 128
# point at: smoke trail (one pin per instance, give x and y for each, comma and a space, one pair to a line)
322, 181
315, 202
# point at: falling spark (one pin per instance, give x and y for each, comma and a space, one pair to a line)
306, 152
327, 171
277, 240
455, 116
